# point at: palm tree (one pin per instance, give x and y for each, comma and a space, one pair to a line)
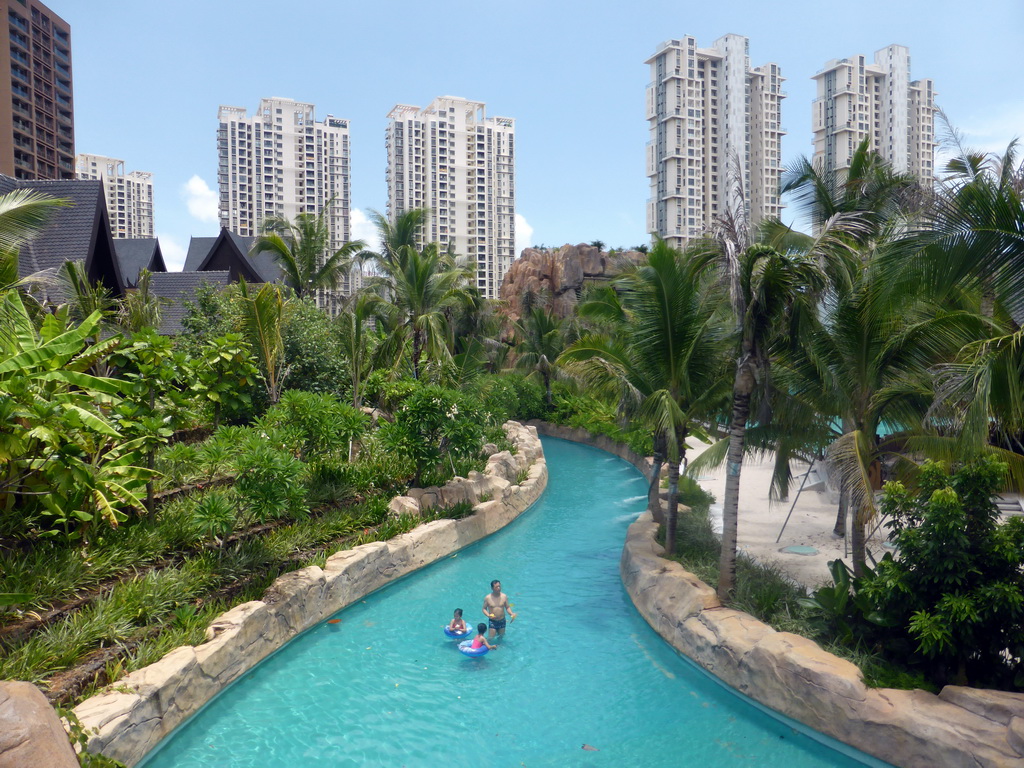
404, 231
765, 287
475, 330
540, 339
977, 226
23, 213
865, 362
353, 324
665, 360
863, 213
975, 247
417, 288
140, 308
869, 188
263, 317
302, 250
83, 296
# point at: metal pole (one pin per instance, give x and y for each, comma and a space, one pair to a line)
795, 500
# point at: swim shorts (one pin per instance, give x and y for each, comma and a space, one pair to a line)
497, 623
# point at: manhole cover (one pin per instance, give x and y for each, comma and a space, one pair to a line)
799, 549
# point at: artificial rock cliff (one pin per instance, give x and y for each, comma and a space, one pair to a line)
558, 275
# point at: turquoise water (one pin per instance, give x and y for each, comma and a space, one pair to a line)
579, 666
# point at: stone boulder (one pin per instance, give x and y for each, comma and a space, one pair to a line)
560, 274
31, 734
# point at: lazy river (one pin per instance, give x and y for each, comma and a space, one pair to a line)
578, 666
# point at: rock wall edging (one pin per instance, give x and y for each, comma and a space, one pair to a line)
959, 728
149, 703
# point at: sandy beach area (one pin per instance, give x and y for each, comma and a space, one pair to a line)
764, 533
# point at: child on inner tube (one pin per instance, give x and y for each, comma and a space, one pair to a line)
481, 638
457, 625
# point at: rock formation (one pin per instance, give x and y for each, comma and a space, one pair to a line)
558, 274
31, 734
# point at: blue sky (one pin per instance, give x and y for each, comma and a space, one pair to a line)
149, 76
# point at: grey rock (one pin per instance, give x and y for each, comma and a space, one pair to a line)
31, 734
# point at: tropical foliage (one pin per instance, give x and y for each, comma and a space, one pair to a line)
302, 250
184, 474
664, 361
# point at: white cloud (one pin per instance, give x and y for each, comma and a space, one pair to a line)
524, 234
174, 253
364, 229
201, 200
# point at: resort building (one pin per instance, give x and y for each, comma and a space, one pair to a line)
878, 101
37, 124
281, 162
459, 164
129, 195
716, 137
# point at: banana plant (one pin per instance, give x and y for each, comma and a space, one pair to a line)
62, 461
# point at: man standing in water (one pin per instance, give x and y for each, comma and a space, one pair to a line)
495, 607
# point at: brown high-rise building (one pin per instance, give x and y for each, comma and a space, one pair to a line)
37, 122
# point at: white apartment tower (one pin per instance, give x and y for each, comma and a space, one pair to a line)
281, 162
858, 99
129, 196
716, 137
460, 164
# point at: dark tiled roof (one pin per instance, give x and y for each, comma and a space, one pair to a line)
136, 254
73, 230
266, 266
263, 264
179, 288
198, 250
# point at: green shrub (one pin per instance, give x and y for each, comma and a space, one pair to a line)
324, 424
953, 602
456, 511
384, 393
598, 418
270, 482
433, 426
312, 352
511, 396
214, 457
213, 515
179, 463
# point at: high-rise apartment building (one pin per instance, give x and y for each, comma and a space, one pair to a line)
460, 164
858, 99
129, 196
716, 137
37, 124
281, 162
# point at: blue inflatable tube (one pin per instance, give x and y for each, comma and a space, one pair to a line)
466, 646
448, 632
